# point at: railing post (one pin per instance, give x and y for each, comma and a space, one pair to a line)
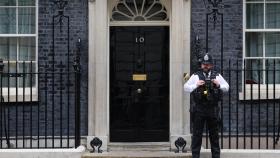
3, 110
77, 69
1, 66
1, 106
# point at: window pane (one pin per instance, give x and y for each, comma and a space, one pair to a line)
270, 68
9, 70
7, 20
26, 69
255, 16
254, 0
26, 20
27, 48
23, 75
273, 15
272, 44
8, 48
26, 2
253, 72
123, 15
254, 44
7, 2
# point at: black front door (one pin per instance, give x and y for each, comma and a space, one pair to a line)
139, 84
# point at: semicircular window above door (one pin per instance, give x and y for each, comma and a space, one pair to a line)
140, 10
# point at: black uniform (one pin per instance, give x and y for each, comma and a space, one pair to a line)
206, 111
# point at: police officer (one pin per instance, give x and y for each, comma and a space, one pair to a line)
206, 87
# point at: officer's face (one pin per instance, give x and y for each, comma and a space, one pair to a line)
206, 67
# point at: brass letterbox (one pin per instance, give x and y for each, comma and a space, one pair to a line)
139, 77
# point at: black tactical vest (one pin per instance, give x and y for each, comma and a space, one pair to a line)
208, 94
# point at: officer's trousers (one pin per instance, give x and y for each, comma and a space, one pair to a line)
213, 127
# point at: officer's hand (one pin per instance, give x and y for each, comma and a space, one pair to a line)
216, 82
200, 83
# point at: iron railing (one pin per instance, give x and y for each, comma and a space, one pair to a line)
39, 109
250, 111
40, 100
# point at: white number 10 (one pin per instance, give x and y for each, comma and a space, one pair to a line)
140, 40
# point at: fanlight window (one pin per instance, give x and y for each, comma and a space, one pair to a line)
139, 10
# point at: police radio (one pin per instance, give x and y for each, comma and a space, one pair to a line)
208, 86
208, 93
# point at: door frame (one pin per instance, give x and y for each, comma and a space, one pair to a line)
98, 68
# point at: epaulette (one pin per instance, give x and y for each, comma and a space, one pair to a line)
215, 73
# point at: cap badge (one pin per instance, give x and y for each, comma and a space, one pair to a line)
206, 57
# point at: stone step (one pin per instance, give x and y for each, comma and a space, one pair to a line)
137, 154
142, 146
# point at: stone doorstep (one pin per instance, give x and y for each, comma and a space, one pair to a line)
137, 154
139, 146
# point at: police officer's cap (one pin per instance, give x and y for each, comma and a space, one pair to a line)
207, 59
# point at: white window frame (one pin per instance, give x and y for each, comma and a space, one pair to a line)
263, 88
14, 94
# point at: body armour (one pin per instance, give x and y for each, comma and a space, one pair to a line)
208, 94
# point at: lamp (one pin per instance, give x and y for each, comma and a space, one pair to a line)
60, 4
215, 3
213, 7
